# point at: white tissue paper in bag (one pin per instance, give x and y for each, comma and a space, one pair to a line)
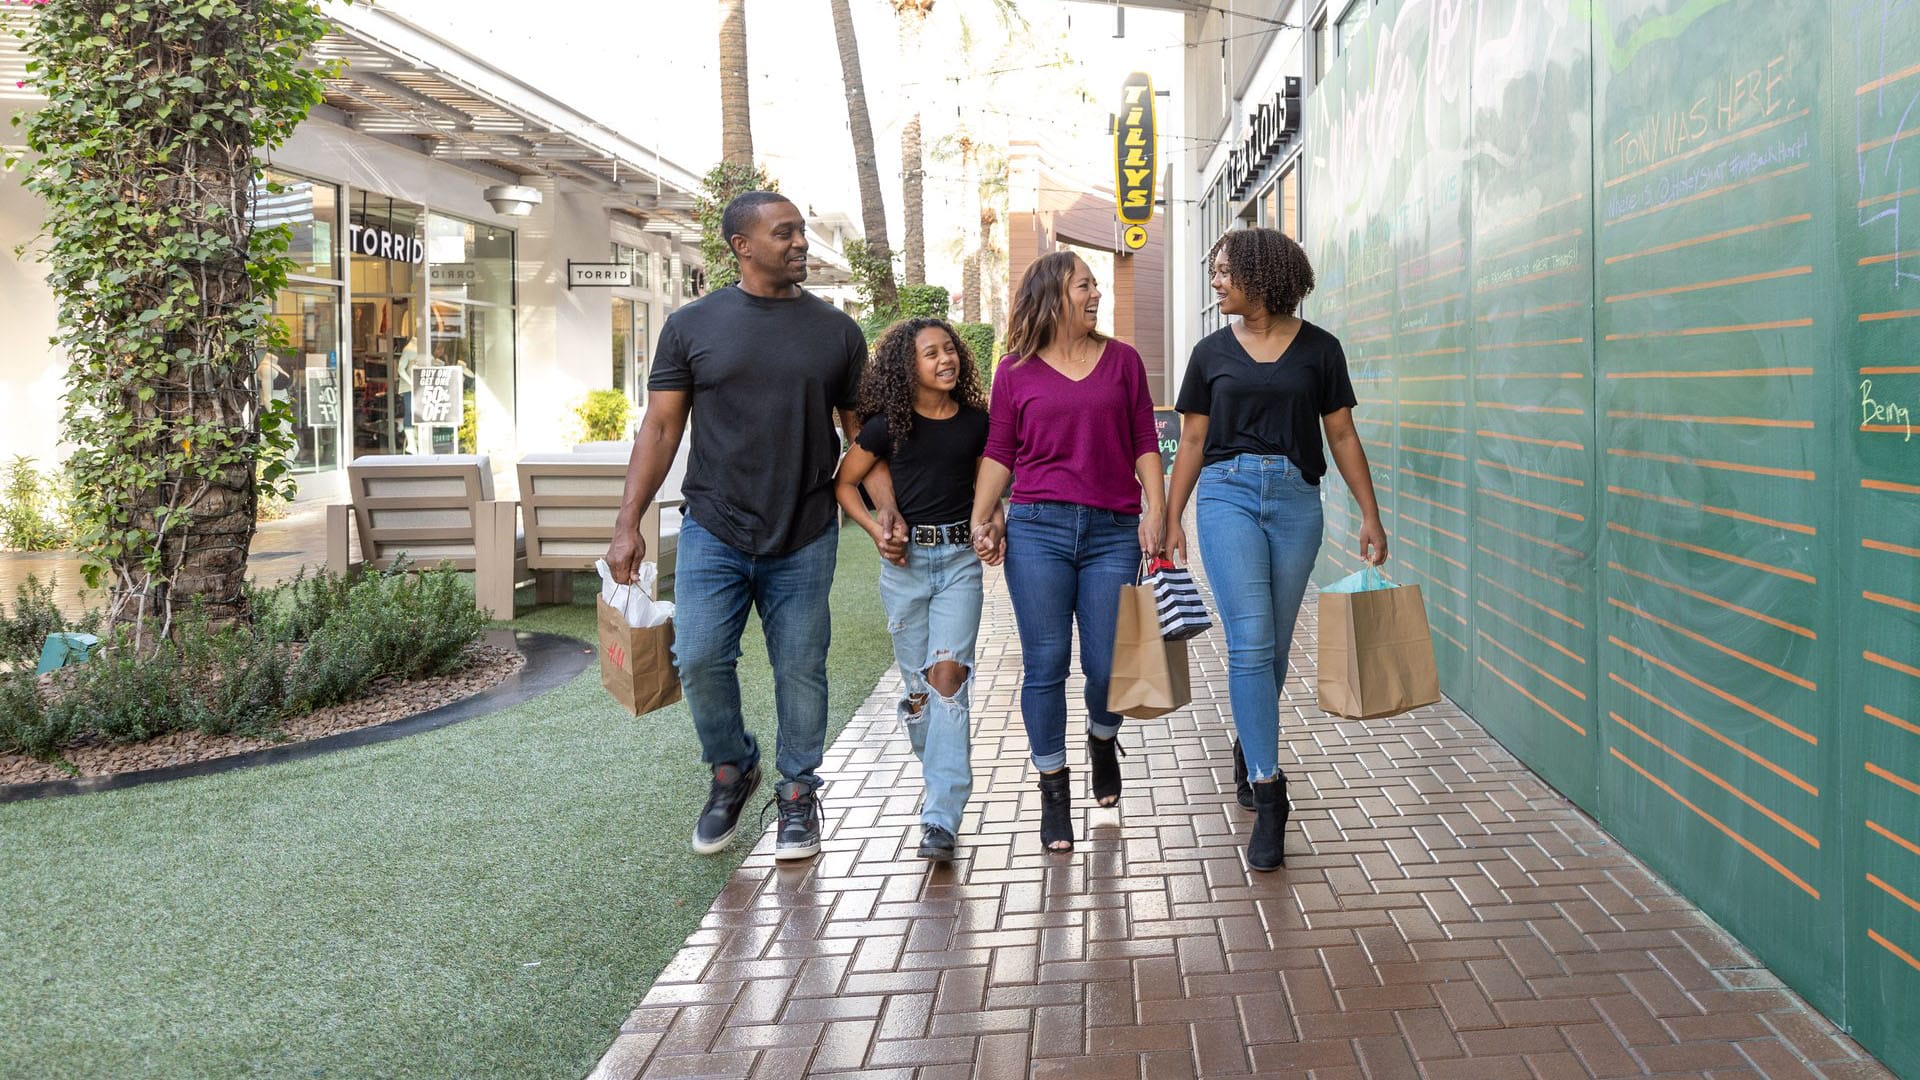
635, 602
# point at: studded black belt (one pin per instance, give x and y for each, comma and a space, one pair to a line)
959, 532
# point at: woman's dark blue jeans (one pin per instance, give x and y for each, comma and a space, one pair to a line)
1065, 566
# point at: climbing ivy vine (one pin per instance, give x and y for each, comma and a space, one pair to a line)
146, 154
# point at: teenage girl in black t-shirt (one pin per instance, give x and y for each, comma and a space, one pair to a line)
925, 415
1256, 396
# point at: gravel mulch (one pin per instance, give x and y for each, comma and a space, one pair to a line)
388, 699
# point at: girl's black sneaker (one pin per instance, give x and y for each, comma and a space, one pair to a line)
936, 844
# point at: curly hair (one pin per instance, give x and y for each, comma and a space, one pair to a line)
890, 387
1268, 266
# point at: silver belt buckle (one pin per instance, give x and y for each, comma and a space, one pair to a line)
926, 536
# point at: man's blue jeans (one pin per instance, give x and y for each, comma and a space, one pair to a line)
1066, 564
1260, 527
933, 613
714, 585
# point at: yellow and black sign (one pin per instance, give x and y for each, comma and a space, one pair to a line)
1133, 151
1135, 237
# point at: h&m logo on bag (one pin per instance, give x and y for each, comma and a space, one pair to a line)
618, 655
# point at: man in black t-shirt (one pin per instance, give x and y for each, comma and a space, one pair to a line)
765, 366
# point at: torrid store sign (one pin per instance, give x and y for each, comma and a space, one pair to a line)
377, 243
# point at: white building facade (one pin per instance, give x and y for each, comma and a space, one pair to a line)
1250, 65
444, 215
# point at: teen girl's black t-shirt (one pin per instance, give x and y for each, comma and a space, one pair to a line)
1267, 409
933, 471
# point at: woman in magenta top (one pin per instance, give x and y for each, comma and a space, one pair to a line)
1071, 425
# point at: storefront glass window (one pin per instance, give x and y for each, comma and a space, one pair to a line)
1290, 203
630, 348
471, 327
635, 258
311, 212
622, 343
305, 370
1351, 22
387, 248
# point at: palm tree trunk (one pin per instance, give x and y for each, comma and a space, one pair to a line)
736, 124
970, 287
913, 180
912, 15
873, 213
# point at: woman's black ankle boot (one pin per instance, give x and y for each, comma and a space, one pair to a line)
1266, 849
1056, 812
1103, 757
1242, 791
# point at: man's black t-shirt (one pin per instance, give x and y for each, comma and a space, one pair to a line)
933, 472
765, 378
1269, 409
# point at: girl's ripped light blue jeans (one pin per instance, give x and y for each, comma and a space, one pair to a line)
933, 614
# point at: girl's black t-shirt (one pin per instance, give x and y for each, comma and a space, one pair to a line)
1267, 409
933, 471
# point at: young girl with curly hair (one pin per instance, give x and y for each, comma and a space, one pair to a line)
925, 416
1255, 399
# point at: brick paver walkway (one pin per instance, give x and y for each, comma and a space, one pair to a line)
1442, 913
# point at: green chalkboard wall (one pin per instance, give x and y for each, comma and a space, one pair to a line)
1631, 294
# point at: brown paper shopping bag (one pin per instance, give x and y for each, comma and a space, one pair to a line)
636, 665
1149, 673
1376, 653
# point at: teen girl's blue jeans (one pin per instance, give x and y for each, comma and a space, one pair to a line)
1065, 566
1260, 525
933, 613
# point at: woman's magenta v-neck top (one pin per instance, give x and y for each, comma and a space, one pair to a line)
1073, 442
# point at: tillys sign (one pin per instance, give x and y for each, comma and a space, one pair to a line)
438, 400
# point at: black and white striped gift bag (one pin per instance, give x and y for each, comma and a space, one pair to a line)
1182, 613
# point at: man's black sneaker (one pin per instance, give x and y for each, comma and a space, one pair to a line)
720, 819
936, 844
798, 835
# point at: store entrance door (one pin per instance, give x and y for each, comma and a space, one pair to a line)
383, 351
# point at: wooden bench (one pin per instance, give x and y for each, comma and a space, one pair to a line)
430, 508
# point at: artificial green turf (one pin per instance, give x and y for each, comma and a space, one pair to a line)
487, 900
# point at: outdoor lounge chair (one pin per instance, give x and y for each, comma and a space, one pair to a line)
568, 502
663, 533
430, 508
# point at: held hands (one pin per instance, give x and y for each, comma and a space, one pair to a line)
990, 540
1176, 544
1373, 542
1153, 533
891, 538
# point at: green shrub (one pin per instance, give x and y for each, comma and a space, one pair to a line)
239, 680
605, 416
33, 509
410, 625
122, 695
293, 610
25, 724
979, 339
35, 615
234, 681
923, 302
